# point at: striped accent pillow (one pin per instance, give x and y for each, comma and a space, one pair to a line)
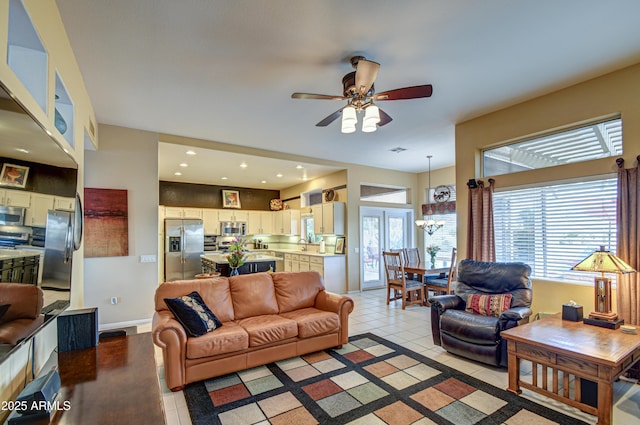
488, 305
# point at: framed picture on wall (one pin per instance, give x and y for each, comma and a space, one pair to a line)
340, 245
14, 175
230, 199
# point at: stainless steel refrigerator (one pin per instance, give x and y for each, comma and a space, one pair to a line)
183, 246
58, 250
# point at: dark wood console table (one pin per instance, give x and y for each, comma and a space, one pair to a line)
113, 383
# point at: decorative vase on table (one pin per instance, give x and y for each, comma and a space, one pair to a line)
236, 256
432, 250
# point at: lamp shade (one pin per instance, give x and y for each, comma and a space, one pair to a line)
349, 119
604, 262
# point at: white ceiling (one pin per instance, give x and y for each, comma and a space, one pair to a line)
225, 70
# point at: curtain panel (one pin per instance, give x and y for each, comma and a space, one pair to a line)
481, 243
628, 234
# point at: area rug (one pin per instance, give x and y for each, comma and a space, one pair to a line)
369, 381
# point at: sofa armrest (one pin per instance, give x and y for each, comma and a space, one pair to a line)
439, 304
513, 317
169, 335
339, 304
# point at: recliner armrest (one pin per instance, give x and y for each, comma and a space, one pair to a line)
446, 302
510, 318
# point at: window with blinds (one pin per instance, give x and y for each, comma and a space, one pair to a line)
593, 141
552, 228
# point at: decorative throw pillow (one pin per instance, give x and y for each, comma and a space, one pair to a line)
191, 311
3, 309
488, 305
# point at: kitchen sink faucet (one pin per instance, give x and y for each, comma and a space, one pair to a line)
304, 242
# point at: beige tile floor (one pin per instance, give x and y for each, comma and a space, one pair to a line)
411, 328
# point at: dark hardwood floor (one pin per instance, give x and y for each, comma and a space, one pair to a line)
113, 383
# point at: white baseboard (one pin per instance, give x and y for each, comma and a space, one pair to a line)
116, 325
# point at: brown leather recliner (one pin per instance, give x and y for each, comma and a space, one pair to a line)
24, 313
477, 336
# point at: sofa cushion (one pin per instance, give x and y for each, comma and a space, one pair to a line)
193, 314
488, 305
227, 339
296, 290
214, 292
268, 328
26, 301
312, 322
253, 295
469, 327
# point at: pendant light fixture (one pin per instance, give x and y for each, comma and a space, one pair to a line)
429, 226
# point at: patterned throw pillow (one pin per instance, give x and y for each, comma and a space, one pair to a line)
194, 315
488, 305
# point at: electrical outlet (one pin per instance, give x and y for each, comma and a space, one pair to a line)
114, 300
148, 258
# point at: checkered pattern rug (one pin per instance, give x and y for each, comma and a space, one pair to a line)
368, 381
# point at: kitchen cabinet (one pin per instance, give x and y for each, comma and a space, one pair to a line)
36, 214
15, 198
304, 263
328, 218
233, 215
179, 212
260, 223
286, 222
64, 203
333, 271
211, 221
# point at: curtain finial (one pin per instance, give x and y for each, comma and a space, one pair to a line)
620, 162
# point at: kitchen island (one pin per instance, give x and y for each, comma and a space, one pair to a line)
254, 263
19, 266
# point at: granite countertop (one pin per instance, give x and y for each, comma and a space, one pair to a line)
297, 251
251, 258
16, 253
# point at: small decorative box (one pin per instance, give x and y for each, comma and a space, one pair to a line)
572, 312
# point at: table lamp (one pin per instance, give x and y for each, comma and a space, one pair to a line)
604, 262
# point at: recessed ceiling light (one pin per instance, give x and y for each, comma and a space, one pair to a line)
299, 167
263, 181
184, 164
224, 178
190, 153
279, 175
177, 173
243, 165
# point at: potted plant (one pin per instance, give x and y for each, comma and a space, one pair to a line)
237, 255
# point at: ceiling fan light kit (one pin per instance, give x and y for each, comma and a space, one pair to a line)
359, 92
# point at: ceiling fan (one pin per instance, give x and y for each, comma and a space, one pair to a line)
360, 94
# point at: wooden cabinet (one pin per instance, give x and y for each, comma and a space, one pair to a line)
304, 263
286, 222
15, 198
332, 268
211, 221
233, 215
328, 218
179, 212
36, 214
260, 223
64, 203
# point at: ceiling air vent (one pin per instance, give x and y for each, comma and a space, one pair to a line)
397, 150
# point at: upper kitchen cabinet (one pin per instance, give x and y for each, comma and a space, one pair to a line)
287, 222
260, 223
328, 218
233, 215
26, 55
15, 198
178, 212
211, 221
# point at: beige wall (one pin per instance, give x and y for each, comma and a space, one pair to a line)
611, 94
127, 159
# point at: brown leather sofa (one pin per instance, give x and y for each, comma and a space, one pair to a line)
265, 318
23, 315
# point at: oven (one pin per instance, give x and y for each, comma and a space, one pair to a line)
210, 242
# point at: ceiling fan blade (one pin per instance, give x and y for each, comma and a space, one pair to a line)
331, 118
316, 96
384, 118
414, 92
366, 73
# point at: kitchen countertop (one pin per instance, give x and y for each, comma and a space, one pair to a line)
297, 251
16, 253
251, 258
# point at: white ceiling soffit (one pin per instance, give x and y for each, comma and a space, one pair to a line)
225, 70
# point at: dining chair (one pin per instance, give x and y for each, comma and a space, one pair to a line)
411, 255
443, 284
409, 291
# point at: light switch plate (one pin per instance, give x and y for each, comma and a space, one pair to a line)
148, 258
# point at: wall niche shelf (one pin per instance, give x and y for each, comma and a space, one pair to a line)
26, 55
63, 114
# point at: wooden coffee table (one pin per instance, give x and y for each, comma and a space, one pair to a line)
582, 361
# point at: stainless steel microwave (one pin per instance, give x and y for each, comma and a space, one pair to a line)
12, 216
233, 228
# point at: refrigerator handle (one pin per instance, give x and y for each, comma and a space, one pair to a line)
68, 244
182, 244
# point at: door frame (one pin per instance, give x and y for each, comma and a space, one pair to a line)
384, 213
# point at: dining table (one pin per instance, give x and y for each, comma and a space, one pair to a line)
422, 269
